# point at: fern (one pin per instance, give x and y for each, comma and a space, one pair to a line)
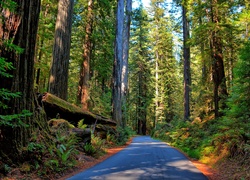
15, 120
81, 125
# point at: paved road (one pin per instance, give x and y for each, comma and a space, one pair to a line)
144, 159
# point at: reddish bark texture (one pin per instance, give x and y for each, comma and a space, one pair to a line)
58, 82
18, 28
219, 79
83, 87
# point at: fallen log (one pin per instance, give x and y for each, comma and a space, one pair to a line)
103, 130
84, 135
59, 108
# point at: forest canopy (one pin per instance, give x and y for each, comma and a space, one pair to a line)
176, 70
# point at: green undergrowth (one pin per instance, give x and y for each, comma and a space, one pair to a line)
211, 141
47, 159
222, 142
98, 145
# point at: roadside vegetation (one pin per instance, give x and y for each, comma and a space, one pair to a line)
222, 143
53, 159
177, 70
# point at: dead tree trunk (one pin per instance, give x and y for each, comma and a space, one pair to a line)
59, 108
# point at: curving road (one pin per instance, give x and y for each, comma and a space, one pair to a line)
144, 159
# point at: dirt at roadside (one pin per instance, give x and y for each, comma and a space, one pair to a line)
205, 169
90, 161
223, 171
212, 174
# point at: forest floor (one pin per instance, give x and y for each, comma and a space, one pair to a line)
223, 171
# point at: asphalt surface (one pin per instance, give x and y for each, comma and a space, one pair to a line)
144, 159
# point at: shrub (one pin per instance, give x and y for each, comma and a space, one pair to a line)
123, 134
81, 125
89, 149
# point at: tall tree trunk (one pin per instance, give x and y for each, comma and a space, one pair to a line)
157, 103
58, 82
141, 128
219, 79
20, 29
140, 100
117, 69
186, 57
202, 49
126, 35
83, 87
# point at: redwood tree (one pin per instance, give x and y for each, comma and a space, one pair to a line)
219, 79
83, 87
58, 82
186, 58
126, 36
18, 30
116, 94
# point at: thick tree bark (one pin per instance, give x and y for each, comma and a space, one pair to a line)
58, 82
204, 75
186, 57
126, 36
83, 87
19, 28
219, 79
117, 69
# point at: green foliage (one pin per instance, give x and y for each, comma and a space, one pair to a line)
193, 138
57, 125
51, 156
64, 153
234, 128
5, 94
44, 43
89, 149
12, 47
110, 139
96, 148
123, 135
9, 4
66, 149
14, 120
100, 99
206, 138
239, 101
4, 66
81, 125
4, 168
33, 146
102, 38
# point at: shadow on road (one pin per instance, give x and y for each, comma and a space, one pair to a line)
144, 158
